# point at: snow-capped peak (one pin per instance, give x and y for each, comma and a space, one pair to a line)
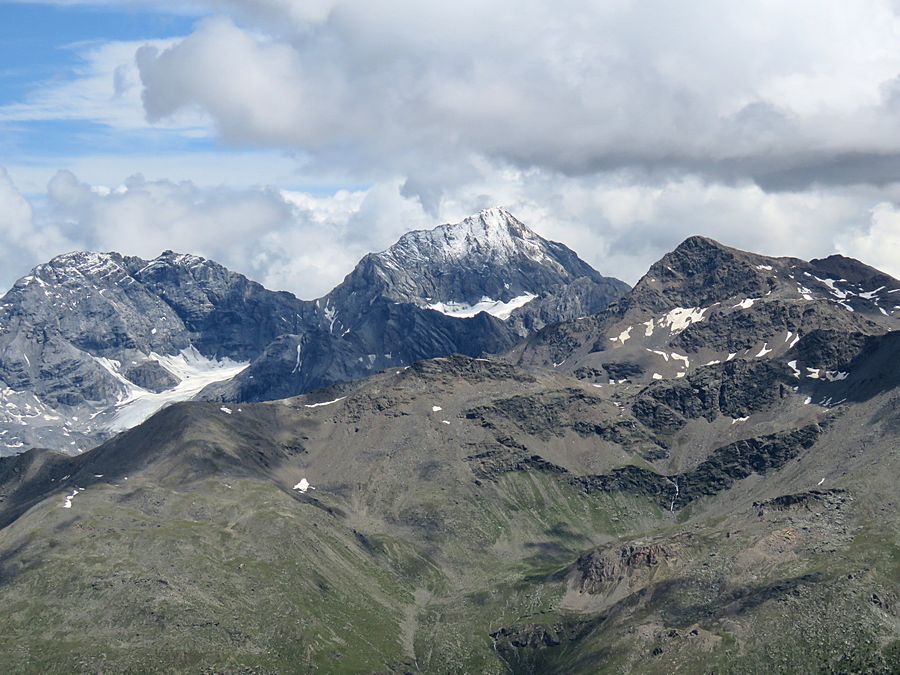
93, 266
493, 234
76, 267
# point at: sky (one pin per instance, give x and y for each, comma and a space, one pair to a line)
287, 138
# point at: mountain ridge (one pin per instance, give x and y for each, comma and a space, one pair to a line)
87, 334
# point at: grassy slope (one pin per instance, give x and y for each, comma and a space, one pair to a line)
205, 559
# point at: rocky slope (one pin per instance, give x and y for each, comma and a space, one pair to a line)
706, 304
91, 344
466, 515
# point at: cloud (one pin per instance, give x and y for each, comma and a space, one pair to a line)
621, 225
785, 94
22, 237
295, 241
618, 128
878, 243
306, 243
229, 73
104, 88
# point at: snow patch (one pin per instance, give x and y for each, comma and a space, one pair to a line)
68, 503
745, 304
498, 308
303, 486
868, 295
681, 317
679, 357
623, 336
319, 405
835, 291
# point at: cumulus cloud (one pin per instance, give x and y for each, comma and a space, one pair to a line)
296, 241
785, 94
281, 242
878, 243
306, 243
21, 236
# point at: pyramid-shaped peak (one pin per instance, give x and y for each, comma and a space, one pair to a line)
701, 271
494, 224
490, 234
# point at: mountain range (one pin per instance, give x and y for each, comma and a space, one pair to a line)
93, 343
476, 454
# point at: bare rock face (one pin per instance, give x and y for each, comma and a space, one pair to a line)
474, 287
598, 570
88, 333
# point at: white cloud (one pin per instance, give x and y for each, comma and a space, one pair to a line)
878, 243
22, 238
307, 243
762, 89
621, 225
104, 88
293, 241
207, 168
618, 128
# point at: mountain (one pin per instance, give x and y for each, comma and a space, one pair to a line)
474, 287
490, 262
708, 304
94, 343
726, 504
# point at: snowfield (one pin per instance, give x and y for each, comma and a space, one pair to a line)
502, 310
194, 372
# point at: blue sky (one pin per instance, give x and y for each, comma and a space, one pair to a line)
39, 42
45, 47
286, 139
42, 44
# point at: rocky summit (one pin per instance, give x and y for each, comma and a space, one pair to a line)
500, 462
475, 287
